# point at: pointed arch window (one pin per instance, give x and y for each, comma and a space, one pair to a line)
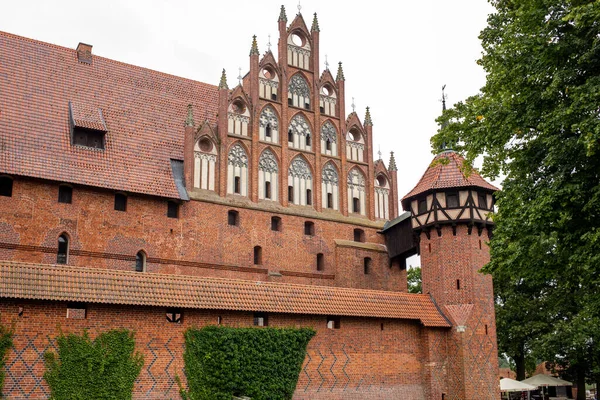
205, 164
328, 139
356, 191
62, 255
355, 145
237, 170
268, 125
268, 83
268, 174
299, 133
299, 92
382, 195
238, 118
330, 187
300, 182
298, 50
327, 100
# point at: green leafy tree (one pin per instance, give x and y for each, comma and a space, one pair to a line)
537, 122
6, 342
414, 280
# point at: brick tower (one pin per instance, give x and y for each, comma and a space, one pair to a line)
451, 212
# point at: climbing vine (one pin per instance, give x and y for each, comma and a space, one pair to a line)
6, 342
262, 363
85, 369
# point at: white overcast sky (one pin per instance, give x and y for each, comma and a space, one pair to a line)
396, 54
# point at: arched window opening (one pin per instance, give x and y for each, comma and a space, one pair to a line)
298, 50
356, 191
237, 170
330, 186
327, 100
238, 118
300, 181
382, 197
309, 228
367, 265
268, 176
140, 262
237, 187
307, 140
298, 92
355, 145
268, 125
6, 186
320, 262
328, 145
268, 83
359, 235
62, 254
301, 133
328, 139
257, 255
205, 164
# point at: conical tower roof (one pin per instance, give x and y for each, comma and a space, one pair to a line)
446, 172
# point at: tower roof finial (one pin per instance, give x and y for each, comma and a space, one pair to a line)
379, 152
368, 118
269, 43
392, 166
189, 121
443, 98
353, 106
240, 76
326, 63
223, 81
299, 7
282, 16
315, 24
340, 73
254, 48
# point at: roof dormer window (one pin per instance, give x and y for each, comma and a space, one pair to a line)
88, 128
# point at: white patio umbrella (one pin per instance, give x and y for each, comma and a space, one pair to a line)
510, 385
546, 380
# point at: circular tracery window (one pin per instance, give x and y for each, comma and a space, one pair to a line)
298, 39
205, 145
381, 181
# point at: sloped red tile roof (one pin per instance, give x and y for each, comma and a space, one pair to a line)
446, 171
94, 285
144, 112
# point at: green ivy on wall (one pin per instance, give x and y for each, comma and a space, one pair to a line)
262, 363
5, 344
86, 369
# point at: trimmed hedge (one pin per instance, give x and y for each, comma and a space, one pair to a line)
105, 368
262, 363
5, 344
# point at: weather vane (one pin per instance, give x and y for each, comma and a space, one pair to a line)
240, 76
299, 7
353, 105
326, 62
379, 152
269, 44
444, 97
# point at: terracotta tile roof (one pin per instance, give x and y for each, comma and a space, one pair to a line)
83, 116
144, 112
94, 285
445, 171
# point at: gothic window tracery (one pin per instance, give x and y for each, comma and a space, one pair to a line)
382, 193
355, 145
237, 170
298, 92
298, 50
205, 160
268, 83
268, 172
269, 125
356, 192
238, 118
300, 182
327, 100
328, 139
299, 132
330, 187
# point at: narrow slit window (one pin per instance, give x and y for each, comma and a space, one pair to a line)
355, 205
267, 190
268, 131
62, 254
140, 262
329, 200
290, 136
458, 284
307, 140
120, 202
65, 194
291, 194
320, 262
276, 224
6, 186
257, 255
236, 185
308, 197
367, 265
328, 145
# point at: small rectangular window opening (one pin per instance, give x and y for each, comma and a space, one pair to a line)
267, 190
290, 102
482, 199
308, 197
6, 186
329, 200
172, 209
307, 106
322, 110
258, 255
120, 202
359, 235
458, 284
307, 140
236, 185
309, 228
320, 262
367, 265
233, 218
76, 310
275, 224
452, 200
174, 315
382, 326
65, 194
291, 194
290, 136
355, 205
274, 96
261, 319
422, 206
333, 322
88, 138
268, 131
328, 145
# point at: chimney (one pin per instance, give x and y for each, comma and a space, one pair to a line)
84, 53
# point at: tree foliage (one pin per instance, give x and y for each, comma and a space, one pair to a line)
537, 122
262, 363
85, 369
6, 342
414, 280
